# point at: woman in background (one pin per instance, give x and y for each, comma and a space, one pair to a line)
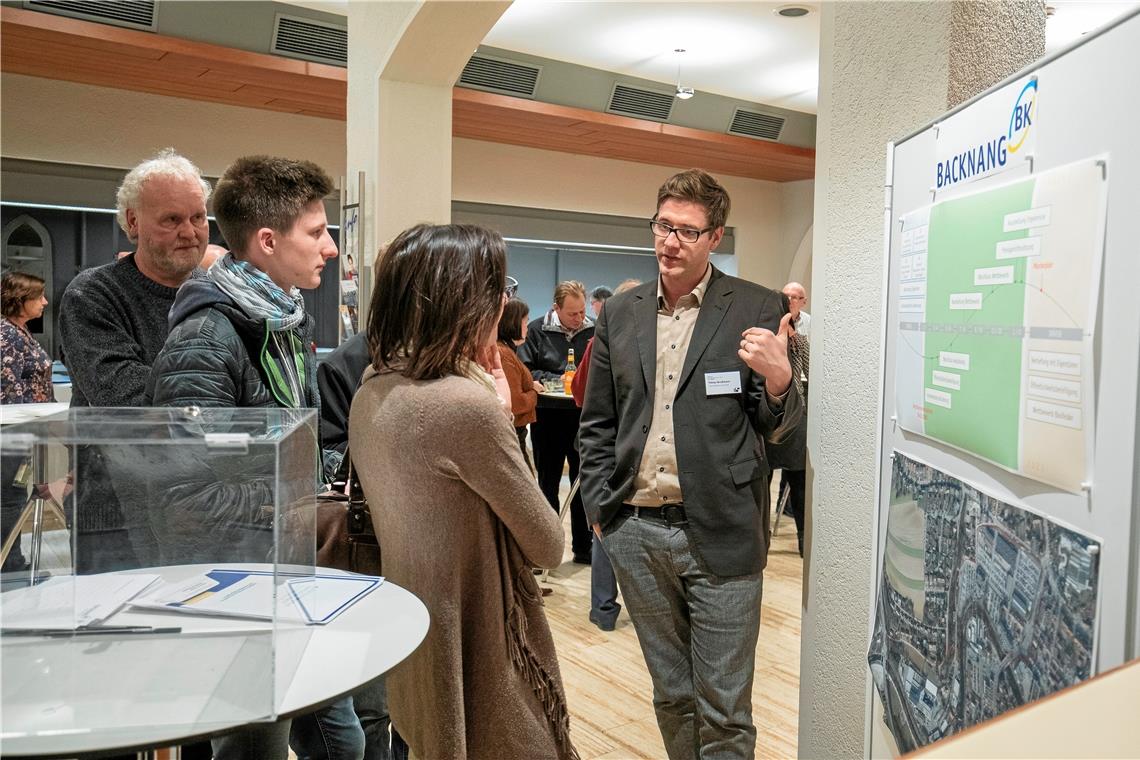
524, 388
25, 378
26, 373
460, 518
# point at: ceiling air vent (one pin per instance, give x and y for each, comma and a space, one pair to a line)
643, 104
310, 40
753, 124
497, 75
133, 14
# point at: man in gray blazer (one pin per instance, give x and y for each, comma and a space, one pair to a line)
689, 373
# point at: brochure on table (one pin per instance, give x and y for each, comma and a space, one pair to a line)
317, 599
71, 602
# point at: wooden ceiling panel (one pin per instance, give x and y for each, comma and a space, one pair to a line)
55, 47
498, 118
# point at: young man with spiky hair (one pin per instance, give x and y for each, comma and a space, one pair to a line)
240, 337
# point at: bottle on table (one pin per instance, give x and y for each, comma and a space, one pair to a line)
568, 375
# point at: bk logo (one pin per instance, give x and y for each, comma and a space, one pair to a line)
1021, 120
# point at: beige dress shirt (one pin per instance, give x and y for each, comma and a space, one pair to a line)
658, 481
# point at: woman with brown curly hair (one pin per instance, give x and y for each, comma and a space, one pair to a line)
26, 374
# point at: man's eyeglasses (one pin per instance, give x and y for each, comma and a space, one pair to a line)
512, 287
684, 234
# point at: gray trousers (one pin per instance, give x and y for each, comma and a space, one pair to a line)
698, 635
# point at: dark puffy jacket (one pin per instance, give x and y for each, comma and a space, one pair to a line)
217, 356
211, 505
338, 377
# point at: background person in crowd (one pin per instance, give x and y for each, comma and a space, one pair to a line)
112, 321
797, 300
554, 433
524, 388
460, 521
25, 373
688, 374
578, 386
271, 213
25, 378
790, 454
598, 297
338, 377
604, 607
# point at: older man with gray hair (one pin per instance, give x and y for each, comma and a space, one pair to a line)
797, 299
113, 324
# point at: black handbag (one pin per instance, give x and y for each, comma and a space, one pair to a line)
346, 538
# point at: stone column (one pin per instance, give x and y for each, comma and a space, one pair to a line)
403, 59
989, 41
886, 68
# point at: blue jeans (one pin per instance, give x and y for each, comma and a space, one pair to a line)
331, 733
698, 635
604, 607
381, 739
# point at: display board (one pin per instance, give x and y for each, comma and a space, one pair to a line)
1008, 525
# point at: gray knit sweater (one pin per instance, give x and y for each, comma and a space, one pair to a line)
113, 324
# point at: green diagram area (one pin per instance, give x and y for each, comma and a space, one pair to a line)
963, 236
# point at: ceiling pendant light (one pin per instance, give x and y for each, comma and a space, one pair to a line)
684, 93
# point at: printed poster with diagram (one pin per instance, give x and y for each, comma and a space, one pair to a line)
997, 301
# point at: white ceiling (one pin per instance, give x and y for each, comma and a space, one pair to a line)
1073, 18
739, 49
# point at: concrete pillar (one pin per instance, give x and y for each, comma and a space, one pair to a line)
989, 41
886, 68
403, 60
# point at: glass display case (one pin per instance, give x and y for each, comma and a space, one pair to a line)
158, 570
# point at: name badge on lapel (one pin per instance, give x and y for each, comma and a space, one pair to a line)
722, 383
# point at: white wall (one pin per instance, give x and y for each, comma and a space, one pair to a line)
885, 70
770, 218
66, 122
863, 103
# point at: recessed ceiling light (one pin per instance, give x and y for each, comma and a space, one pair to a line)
793, 11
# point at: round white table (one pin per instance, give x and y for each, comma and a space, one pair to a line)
68, 696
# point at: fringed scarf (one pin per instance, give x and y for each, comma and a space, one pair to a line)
538, 668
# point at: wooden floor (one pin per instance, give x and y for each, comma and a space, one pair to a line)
608, 687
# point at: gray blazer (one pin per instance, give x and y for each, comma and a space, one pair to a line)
720, 454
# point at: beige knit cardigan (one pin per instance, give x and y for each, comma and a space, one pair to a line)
461, 523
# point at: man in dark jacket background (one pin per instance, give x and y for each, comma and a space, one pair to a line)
241, 338
554, 434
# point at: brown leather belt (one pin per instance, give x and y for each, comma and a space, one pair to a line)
670, 514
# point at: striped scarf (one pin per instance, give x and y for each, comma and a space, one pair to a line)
257, 295
262, 300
